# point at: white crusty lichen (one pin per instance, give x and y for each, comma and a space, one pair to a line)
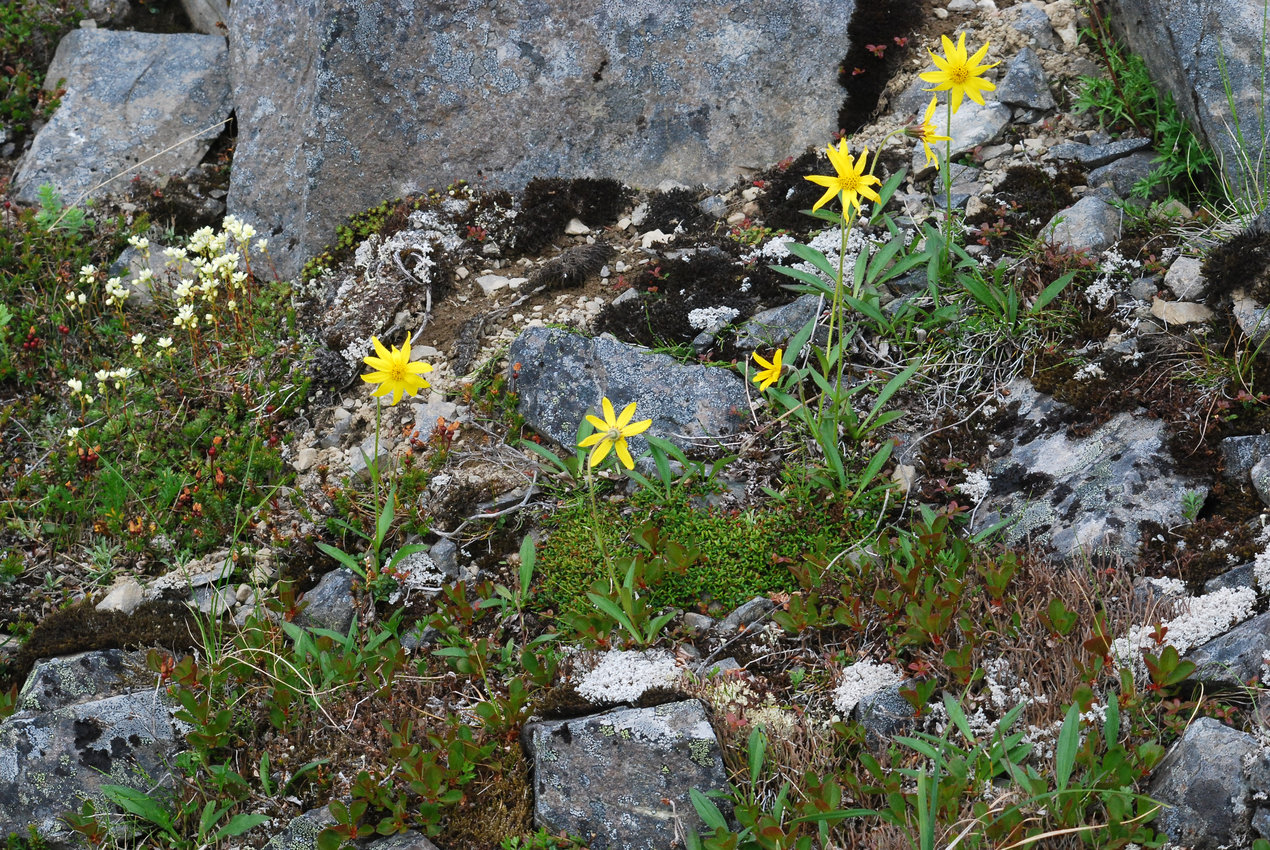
1201, 619
623, 675
863, 679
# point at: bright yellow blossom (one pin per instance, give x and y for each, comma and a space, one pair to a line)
770, 373
959, 75
850, 182
396, 375
611, 433
926, 133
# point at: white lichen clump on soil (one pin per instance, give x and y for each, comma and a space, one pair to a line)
1202, 619
863, 679
623, 675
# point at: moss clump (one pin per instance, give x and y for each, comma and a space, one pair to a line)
82, 628
1241, 262
742, 555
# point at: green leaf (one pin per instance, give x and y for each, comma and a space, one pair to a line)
546, 454
707, 810
794, 347
1065, 749
755, 749
384, 522
815, 283
343, 557
140, 804
609, 607
528, 557
239, 824
811, 255
1111, 723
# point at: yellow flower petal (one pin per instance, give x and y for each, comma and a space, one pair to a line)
637, 428
624, 419
587, 442
600, 452
624, 454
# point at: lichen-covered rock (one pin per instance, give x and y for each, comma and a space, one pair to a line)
330, 604
1235, 657
353, 102
563, 376
1091, 225
1203, 785
1087, 495
1207, 54
621, 779
80, 727
129, 96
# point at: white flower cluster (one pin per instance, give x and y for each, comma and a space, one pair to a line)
708, 318
119, 376
1202, 619
623, 675
863, 679
1113, 269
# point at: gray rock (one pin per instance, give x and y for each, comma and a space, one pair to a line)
1252, 317
204, 15
1260, 475
1123, 174
1091, 224
70, 679
1032, 21
884, 713
621, 779
1185, 279
303, 830
1241, 454
445, 554
108, 14
746, 615
1092, 156
347, 104
78, 736
695, 623
563, 376
1025, 83
1196, 50
330, 603
1202, 783
1180, 312
1087, 495
408, 840
774, 327
129, 265
1241, 576
129, 96
972, 126
1235, 657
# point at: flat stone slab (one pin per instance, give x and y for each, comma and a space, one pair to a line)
1081, 495
563, 376
355, 101
620, 779
62, 749
129, 96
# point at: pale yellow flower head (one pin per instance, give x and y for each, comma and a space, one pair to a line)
850, 183
959, 75
926, 133
394, 372
611, 433
770, 373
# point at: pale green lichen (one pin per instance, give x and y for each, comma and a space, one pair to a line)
700, 752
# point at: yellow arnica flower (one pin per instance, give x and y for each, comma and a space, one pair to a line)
851, 182
611, 433
396, 375
770, 373
959, 75
925, 132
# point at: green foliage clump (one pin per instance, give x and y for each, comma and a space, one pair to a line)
742, 555
28, 33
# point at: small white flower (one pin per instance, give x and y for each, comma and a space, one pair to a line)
76, 385
72, 433
261, 244
165, 342
101, 375
139, 242
138, 339
88, 272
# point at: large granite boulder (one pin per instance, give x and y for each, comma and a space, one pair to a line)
1195, 49
131, 98
1204, 782
343, 104
621, 779
83, 721
563, 376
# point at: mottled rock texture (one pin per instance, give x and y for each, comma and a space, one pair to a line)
83, 721
563, 376
342, 103
131, 97
1195, 49
621, 779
